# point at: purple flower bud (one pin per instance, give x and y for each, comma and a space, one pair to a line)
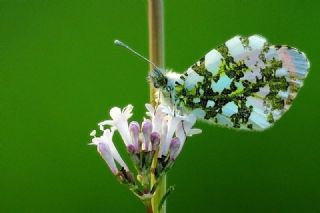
174, 147
146, 126
132, 149
134, 129
155, 140
146, 130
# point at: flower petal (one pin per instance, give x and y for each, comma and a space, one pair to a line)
184, 128
172, 126
93, 133
194, 132
106, 122
127, 111
117, 156
120, 122
163, 136
115, 112
150, 108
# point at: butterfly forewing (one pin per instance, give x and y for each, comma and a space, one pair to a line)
245, 83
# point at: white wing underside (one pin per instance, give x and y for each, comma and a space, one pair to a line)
259, 57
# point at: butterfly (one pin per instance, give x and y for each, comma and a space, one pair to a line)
245, 83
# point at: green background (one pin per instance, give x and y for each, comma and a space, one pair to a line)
60, 74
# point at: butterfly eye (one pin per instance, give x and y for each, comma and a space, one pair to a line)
156, 85
168, 88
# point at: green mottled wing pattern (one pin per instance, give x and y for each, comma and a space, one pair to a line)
246, 83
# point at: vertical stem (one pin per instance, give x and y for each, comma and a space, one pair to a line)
156, 38
156, 55
149, 207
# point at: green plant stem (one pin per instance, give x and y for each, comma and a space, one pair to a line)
156, 55
149, 207
160, 192
156, 38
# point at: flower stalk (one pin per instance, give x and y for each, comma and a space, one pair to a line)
156, 55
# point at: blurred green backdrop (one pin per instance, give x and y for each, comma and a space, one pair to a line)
60, 73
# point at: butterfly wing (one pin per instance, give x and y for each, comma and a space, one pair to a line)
245, 83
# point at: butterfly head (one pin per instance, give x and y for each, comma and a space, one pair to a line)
165, 81
158, 78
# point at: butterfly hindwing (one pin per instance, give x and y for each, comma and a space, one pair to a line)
245, 83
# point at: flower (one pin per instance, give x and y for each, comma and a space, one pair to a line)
153, 146
184, 129
120, 122
168, 122
107, 150
157, 115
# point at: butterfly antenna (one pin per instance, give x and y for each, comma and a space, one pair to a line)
121, 44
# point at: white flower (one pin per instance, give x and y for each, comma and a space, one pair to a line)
184, 129
120, 122
108, 151
167, 122
173, 121
106, 154
156, 116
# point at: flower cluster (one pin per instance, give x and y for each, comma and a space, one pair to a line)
153, 146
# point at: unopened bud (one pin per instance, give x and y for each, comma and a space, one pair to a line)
134, 129
174, 147
132, 149
146, 130
155, 140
